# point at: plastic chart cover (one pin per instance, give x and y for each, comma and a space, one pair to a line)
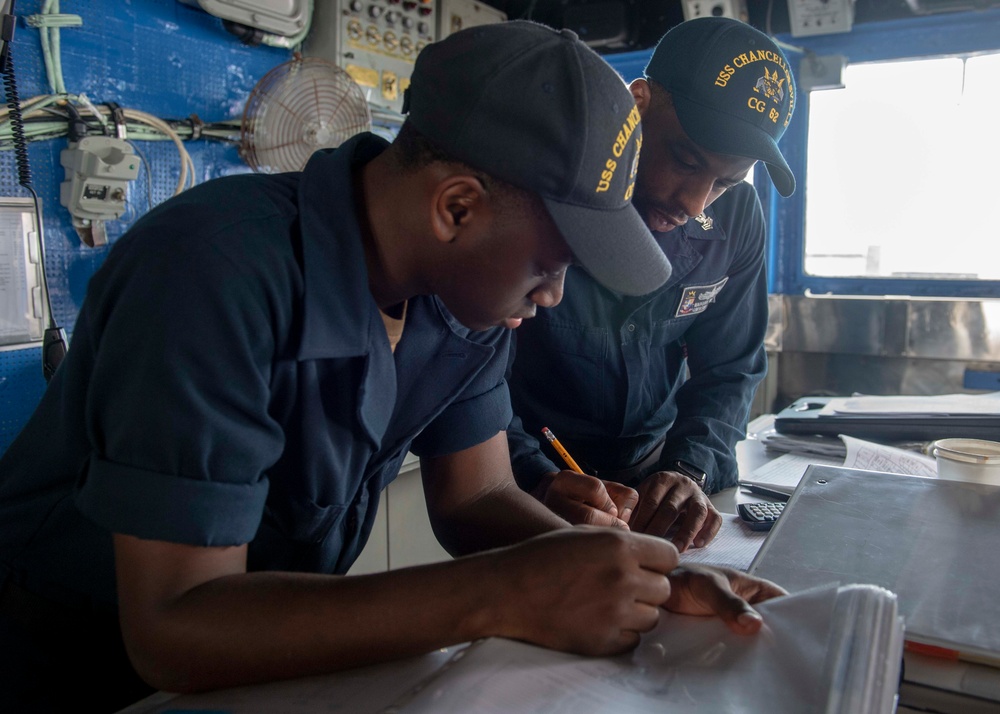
829, 650
931, 541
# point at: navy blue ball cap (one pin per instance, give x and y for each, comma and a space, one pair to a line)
732, 89
537, 108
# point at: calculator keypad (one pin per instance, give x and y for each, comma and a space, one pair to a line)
760, 516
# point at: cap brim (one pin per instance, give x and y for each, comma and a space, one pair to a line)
721, 133
614, 246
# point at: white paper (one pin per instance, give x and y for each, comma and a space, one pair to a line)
734, 546
869, 456
787, 469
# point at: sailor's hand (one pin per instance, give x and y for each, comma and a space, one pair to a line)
672, 502
723, 592
585, 590
586, 500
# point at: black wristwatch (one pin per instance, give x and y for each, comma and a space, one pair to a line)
692, 472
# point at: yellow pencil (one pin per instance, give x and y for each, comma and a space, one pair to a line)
561, 449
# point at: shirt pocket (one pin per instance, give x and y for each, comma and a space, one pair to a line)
573, 368
664, 368
303, 521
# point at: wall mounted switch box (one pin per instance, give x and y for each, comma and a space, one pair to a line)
98, 171
279, 17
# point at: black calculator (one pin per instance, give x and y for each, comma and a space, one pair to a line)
760, 516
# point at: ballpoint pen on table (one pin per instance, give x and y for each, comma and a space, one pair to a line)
765, 490
561, 449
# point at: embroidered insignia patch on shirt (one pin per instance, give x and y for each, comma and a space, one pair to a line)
705, 222
697, 298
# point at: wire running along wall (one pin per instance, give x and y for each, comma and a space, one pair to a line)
161, 57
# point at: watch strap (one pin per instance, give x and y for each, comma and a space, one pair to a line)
691, 471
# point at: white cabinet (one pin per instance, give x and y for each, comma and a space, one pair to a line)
402, 534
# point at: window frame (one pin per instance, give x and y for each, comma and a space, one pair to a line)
959, 33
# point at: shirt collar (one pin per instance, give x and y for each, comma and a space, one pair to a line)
338, 307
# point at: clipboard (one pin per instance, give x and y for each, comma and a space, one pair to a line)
804, 417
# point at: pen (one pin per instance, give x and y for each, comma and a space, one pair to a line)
561, 449
765, 491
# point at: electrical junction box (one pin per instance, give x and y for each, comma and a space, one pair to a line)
375, 41
820, 17
455, 15
98, 171
735, 9
278, 17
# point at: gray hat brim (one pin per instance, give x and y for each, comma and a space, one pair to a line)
614, 246
722, 133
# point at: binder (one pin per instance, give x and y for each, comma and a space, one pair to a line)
935, 543
900, 419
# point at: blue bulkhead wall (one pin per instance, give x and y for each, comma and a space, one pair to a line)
162, 57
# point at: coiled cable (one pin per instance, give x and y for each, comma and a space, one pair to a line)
54, 337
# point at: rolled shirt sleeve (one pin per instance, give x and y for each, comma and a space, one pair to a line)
180, 349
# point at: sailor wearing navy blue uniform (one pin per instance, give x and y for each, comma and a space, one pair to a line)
652, 393
632, 354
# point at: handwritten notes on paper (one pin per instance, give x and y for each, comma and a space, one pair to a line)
787, 470
868, 456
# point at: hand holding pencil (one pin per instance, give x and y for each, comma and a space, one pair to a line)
584, 499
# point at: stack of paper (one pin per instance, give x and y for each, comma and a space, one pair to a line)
806, 444
784, 473
830, 650
826, 447
865, 661
947, 685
